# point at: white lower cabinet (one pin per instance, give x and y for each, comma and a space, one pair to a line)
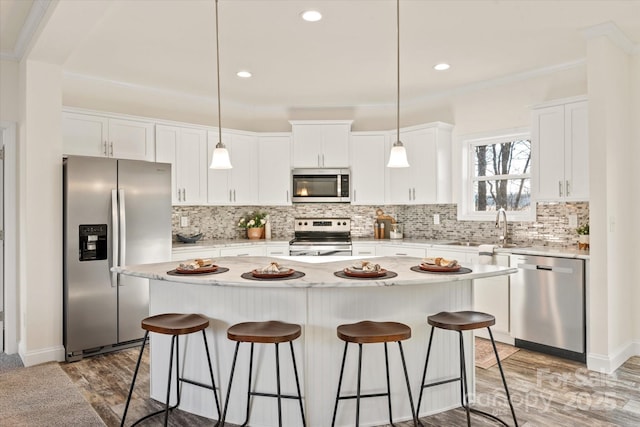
491, 295
277, 250
363, 249
399, 250
191, 254
243, 251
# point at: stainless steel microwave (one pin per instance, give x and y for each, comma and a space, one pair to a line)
320, 185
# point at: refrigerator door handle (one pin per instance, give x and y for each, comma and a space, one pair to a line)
123, 229
114, 236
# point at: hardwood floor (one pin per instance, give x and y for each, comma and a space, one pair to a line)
546, 391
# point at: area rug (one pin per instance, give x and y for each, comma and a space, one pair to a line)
485, 358
43, 395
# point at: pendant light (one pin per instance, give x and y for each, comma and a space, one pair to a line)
398, 156
220, 158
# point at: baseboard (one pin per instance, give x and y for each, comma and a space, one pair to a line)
498, 336
44, 355
609, 363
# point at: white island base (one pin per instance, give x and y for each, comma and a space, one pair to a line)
319, 302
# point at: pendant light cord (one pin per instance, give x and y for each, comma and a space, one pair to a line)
397, 71
218, 78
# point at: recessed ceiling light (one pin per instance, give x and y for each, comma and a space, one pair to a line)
442, 66
243, 74
311, 15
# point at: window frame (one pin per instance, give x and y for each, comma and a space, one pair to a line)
466, 206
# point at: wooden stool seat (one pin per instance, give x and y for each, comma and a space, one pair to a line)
175, 323
461, 320
269, 332
367, 332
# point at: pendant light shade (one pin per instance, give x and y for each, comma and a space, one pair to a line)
220, 158
398, 155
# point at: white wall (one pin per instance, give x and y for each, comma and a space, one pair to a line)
612, 328
40, 213
9, 90
635, 187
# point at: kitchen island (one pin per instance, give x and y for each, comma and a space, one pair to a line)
319, 301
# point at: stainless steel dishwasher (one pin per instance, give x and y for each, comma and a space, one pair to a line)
548, 305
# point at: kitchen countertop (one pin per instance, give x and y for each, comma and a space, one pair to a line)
563, 252
317, 274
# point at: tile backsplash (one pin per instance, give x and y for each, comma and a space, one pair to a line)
551, 227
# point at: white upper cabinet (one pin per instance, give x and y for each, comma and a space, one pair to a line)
323, 144
239, 185
560, 152
274, 169
368, 156
100, 136
186, 150
428, 179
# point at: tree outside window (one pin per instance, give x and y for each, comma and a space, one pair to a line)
501, 174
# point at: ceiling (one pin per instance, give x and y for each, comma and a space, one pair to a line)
346, 59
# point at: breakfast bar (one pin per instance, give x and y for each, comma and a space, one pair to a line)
319, 301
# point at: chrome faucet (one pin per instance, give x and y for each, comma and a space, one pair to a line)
503, 237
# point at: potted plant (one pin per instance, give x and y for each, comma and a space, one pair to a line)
583, 236
254, 224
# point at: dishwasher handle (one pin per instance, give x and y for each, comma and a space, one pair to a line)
555, 269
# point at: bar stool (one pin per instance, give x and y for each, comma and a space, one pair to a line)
368, 332
173, 324
464, 321
269, 332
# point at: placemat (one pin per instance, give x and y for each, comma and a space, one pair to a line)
463, 270
387, 275
218, 271
295, 275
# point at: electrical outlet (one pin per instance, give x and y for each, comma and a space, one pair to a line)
184, 221
436, 219
573, 220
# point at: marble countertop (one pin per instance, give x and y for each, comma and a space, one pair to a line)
318, 272
563, 252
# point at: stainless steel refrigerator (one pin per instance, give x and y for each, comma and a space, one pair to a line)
116, 212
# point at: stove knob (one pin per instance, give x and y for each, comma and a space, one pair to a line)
344, 223
305, 223
299, 222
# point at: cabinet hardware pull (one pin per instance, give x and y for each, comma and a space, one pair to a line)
566, 190
179, 198
230, 198
560, 188
323, 160
400, 254
104, 148
319, 160
409, 194
287, 195
184, 194
111, 149
414, 193
234, 195
354, 195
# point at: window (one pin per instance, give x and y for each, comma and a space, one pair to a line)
498, 175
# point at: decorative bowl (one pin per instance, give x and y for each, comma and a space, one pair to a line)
189, 239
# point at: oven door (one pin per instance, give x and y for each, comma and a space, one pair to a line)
320, 250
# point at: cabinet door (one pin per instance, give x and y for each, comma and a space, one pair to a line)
335, 146
367, 169
131, 139
307, 146
416, 184
576, 151
491, 295
397, 250
84, 135
547, 135
166, 141
191, 166
239, 184
244, 251
244, 175
277, 250
363, 250
274, 170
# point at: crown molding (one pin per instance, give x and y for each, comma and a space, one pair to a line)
615, 34
32, 21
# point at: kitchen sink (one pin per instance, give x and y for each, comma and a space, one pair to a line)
476, 244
